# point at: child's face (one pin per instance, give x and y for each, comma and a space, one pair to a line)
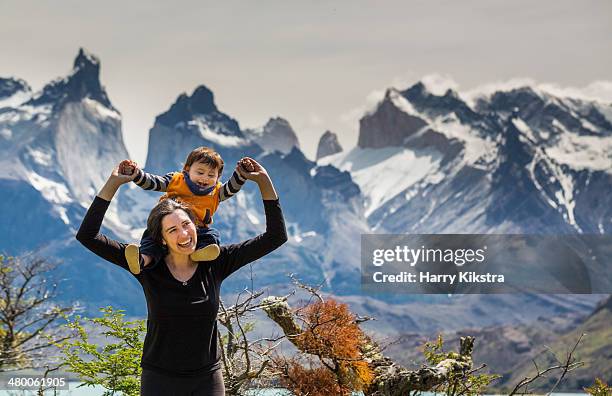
203, 174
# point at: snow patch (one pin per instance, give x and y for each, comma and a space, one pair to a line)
207, 133
52, 191
588, 125
522, 126
402, 103
383, 173
299, 238
565, 196
100, 109
61, 211
6, 133
16, 99
40, 157
581, 152
27, 113
605, 110
475, 147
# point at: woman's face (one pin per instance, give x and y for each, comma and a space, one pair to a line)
179, 232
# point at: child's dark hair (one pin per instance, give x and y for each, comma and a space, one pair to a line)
207, 156
162, 209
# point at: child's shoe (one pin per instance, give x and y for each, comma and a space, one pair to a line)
207, 253
132, 255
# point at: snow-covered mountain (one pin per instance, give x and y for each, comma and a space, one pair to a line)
59, 142
512, 161
517, 161
58, 147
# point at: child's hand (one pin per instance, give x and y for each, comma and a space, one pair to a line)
127, 167
118, 178
251, 169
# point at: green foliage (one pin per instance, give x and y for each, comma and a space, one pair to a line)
599, 388
459, 384
116, 365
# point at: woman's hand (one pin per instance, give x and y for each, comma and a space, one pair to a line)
120, 178
128, 167
115, 180
252, 170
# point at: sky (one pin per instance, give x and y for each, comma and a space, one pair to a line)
319, 64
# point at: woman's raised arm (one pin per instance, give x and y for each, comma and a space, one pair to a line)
89, 232
115, 180
233, 257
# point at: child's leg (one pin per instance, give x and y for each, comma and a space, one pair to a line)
148, 253
207, 248
151, 251
207, 236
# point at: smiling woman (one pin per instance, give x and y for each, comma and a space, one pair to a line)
198, 186
180, 353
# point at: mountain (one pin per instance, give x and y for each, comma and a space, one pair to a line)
328, 145
519, 161
58, 147
594, 349
425, 163
276, 135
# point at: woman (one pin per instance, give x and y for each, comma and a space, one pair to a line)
180, 354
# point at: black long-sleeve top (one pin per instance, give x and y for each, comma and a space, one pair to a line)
182, 336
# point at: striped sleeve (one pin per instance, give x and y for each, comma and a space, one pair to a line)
149, 181
231, 187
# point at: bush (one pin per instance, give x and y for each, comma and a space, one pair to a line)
116, 365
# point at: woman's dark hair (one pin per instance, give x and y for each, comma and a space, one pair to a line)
207, 156
162, 209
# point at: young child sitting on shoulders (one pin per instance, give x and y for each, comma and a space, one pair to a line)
198, 187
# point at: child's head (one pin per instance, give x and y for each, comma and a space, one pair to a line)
204, 166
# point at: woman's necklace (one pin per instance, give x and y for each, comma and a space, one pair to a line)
182, 273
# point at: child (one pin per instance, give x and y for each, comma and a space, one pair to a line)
197, 186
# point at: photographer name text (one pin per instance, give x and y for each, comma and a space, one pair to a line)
427, 277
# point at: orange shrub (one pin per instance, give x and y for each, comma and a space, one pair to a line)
316, 381
331, 331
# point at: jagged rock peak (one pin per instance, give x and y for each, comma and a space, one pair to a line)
10, 86
328, 145
275, 122
86, 59
390, 124
201, 101
439, 105
417, 90
516, 97
276, 135
83, 82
